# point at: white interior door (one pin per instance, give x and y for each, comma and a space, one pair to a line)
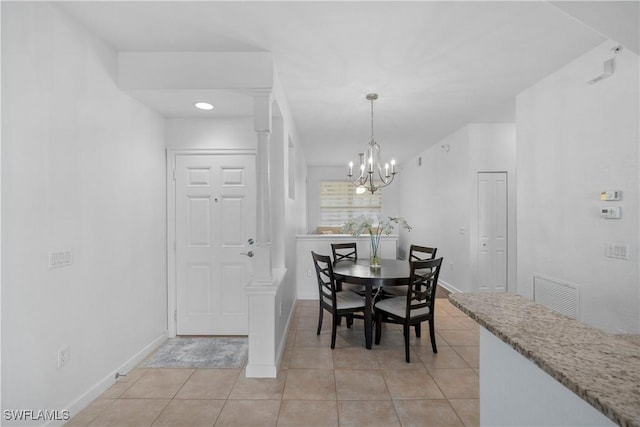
492, 231
215, 221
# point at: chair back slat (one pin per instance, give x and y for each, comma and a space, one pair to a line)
423, 283
421, 253
344, 251
324, 274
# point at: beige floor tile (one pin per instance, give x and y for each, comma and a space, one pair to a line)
133, 375
310, 384
411, 384
453, 310
209, 384
130, 412
457, 383
372, 413
468, 411
469, 323
116, 390
470, 354
316, 385
190, 413
361, 384
460, 337
306, 303
425, 340
285, 361
237, 413
308, 338
394, 358
433, 413
355, 358
259, 388
308, 323
354, 336
446, 357
392, 338
308, 413
311, 358
446, 321
88, 414
158, 383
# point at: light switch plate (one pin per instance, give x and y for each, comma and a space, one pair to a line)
611, 212
611, 195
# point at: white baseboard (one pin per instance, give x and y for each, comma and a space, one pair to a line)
261, 371
103, 385
449, 287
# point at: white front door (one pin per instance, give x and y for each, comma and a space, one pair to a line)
492, 231
215, 204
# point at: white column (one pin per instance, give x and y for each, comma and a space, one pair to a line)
262, 125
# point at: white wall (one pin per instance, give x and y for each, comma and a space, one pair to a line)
439, 198
435, 201
83, 168
190, 133
574, 141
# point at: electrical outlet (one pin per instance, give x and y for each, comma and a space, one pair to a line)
60, 258
63, 356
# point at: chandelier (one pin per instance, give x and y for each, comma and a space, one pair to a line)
372, 175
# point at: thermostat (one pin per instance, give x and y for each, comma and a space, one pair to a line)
610, 195
612, 212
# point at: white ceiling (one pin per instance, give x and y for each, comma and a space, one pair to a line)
437, 65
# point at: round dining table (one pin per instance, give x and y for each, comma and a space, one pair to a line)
391, 272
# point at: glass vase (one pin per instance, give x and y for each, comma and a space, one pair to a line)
374, 261
374, 258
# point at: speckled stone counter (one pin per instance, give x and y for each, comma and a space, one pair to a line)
601, 368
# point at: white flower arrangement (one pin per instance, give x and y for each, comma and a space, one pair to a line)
375, 227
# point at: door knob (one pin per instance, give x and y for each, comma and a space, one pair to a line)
251, 241
249, 254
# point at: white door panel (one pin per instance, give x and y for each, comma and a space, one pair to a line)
215, 218
492, 231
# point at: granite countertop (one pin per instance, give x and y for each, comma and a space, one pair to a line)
601, 368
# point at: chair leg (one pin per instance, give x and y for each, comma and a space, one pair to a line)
320, 320
334, 327
433, 336
349, 321
418, 328
407, 337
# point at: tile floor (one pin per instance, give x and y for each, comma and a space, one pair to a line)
316, 386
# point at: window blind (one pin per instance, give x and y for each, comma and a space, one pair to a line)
339, 202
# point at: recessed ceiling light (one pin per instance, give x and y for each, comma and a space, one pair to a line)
204, 106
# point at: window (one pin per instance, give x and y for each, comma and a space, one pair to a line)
339, 202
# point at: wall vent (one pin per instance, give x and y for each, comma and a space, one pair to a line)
556, 294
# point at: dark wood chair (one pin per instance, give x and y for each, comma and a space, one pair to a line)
421, 253
344, 252
416, 253
414, 308
338, 303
